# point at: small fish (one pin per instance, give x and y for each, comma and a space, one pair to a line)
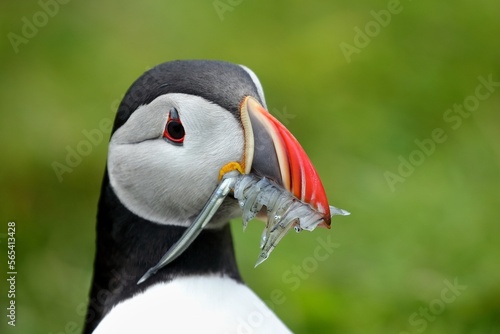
255, 196
284, 211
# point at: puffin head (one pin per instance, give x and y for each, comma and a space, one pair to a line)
183, 124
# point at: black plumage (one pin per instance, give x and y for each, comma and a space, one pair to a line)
223, 83
128, 245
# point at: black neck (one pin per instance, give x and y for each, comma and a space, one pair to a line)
127, 246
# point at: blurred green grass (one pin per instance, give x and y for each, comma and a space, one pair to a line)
354, 119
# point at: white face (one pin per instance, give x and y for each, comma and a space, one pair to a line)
169, 183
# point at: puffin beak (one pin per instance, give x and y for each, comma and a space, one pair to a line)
271, 151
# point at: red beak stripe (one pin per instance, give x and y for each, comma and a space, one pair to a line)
298, 173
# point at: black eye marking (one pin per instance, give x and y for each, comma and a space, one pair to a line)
174, 130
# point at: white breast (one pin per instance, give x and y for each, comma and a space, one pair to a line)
201, 304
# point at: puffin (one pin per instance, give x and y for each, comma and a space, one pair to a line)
179, 127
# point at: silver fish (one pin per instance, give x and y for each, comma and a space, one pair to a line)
254, 196
284, 211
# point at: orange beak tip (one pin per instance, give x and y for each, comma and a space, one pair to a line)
294, 170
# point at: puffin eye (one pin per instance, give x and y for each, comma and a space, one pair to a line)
174, 131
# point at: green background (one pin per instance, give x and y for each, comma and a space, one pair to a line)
356, 119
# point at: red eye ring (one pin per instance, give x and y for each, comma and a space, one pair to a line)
174, 130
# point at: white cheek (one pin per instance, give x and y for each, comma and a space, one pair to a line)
169, 184
139, 176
